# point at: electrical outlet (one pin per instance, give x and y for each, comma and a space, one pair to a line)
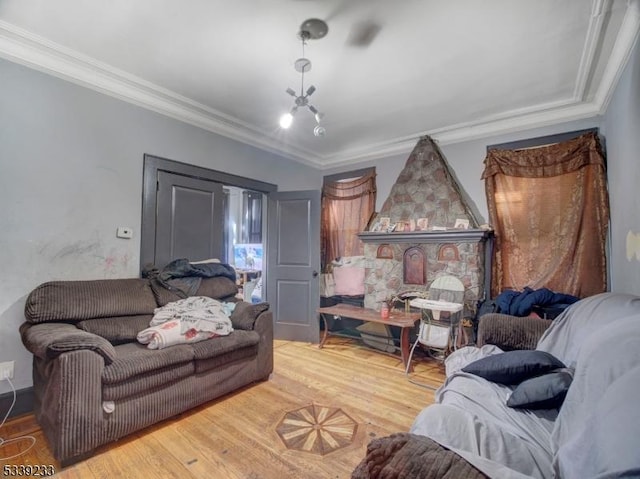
6, 370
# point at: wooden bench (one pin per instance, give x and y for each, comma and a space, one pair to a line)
405, 321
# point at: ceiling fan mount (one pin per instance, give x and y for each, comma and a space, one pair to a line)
313, 29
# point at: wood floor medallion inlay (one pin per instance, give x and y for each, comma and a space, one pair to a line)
317, 429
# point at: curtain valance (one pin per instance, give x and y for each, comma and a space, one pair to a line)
546, 161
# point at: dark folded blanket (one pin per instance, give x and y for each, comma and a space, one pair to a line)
521, 303
183, 278
406, 456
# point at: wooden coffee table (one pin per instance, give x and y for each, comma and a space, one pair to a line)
405, 321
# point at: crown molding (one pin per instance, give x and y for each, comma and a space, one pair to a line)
599, 11
576, 108
26, 48
510, 122
625, 41
23, 47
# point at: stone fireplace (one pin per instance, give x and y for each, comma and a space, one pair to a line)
426, 191
461, 254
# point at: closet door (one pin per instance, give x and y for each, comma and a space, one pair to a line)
189, 219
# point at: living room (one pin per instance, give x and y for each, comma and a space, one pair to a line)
71, 170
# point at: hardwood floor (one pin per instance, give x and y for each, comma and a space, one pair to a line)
245, 434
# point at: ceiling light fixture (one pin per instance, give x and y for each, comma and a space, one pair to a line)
311, 29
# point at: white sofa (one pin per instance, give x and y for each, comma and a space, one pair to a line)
470, 431
595, 432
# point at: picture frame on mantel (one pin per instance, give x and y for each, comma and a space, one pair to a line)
422, 224
461, 224
372, 222
405, 226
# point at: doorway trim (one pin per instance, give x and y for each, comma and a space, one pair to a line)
151, 166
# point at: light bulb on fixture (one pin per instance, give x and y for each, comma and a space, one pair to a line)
286, 120
311, 29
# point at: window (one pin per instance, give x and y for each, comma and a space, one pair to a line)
549, 208
348, 201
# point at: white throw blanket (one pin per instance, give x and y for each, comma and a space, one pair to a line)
187, 321
471, 418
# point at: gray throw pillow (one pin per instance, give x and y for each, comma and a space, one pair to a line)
513, 367
542, 392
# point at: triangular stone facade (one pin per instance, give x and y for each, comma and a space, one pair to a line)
427, 188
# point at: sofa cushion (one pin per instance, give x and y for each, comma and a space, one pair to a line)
222, 345
590, 316
78, 300
245, 314
605, 359
118, 330
542, 392
134, 358
215, 352
241, 354
146, 382
513, 367
605, 443
219, 287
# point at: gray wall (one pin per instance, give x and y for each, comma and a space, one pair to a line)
71, 173
622, 130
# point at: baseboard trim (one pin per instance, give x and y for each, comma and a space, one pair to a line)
25, 400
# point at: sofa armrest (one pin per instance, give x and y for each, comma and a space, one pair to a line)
244, 314
263, 325
50, 340
511, 332
405, 455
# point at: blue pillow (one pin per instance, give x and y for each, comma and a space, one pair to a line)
513, 367
542, 392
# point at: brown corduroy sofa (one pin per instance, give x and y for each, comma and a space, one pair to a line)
94, 383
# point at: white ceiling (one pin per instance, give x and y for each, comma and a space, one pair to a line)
454, 69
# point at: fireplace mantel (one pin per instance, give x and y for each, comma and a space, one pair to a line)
422, 237
474, 263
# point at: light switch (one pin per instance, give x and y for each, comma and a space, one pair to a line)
124, 232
